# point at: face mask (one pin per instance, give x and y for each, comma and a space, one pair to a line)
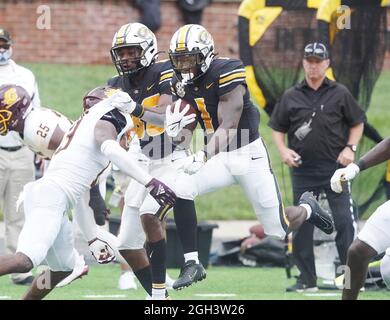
5, 56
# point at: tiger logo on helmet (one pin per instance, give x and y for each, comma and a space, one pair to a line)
134, 47
15, 104
191, 51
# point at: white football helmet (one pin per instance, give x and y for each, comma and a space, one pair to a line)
143, 43
191, 51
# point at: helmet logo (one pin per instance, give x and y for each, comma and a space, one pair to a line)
144, 33
205, 37
10, 97
119, 40
109, 92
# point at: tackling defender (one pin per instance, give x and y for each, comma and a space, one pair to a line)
82, 156
42, 130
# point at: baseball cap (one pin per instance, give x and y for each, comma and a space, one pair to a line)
5, 35
316, 50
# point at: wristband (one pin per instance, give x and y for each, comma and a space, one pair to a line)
361, 164
139, 111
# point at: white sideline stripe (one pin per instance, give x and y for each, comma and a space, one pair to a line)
4, 297
215, 294
322, 294
97, 296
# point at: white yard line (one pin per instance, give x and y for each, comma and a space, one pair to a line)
322, 294
4, 297
100, 296
215, 294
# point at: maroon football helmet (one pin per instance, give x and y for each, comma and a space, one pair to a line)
96, 95
14, 106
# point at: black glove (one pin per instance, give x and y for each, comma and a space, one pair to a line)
161, 192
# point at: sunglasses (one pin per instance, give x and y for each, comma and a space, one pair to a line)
5, 46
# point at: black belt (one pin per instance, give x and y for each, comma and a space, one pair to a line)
11, 149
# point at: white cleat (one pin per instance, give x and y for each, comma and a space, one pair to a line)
80, 269
127, 281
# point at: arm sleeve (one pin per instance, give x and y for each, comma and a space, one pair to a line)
116, 118
119, 157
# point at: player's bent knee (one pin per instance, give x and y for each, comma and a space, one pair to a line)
131, 240
274, 222
357, 251
24, 263
153, 227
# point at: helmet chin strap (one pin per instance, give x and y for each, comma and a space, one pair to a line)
5, 56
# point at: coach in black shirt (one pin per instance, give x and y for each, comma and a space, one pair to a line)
324, 124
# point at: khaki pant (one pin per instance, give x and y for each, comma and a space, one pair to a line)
16, 169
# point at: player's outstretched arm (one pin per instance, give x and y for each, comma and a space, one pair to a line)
105, 136
123, 102
377, 155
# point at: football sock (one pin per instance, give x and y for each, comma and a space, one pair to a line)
158, 263
158, 291
308, 210
191, 256
186, 224
144, 277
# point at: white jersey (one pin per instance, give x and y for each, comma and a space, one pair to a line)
39, 126
78, 161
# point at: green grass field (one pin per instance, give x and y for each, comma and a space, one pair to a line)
221, 283
63, 86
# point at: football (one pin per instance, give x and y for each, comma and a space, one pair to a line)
184, 137
191, 126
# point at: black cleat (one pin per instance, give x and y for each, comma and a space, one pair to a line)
319, 217
190, 273
300, 288
25, 282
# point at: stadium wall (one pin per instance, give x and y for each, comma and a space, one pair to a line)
81, 31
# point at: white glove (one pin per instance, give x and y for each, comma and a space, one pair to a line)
344, 174
122, 101
101, 251
194, 162
175, 121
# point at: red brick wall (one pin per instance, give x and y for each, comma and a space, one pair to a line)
81, 31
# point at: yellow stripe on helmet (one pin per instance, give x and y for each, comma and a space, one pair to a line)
181, 37
121, 34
